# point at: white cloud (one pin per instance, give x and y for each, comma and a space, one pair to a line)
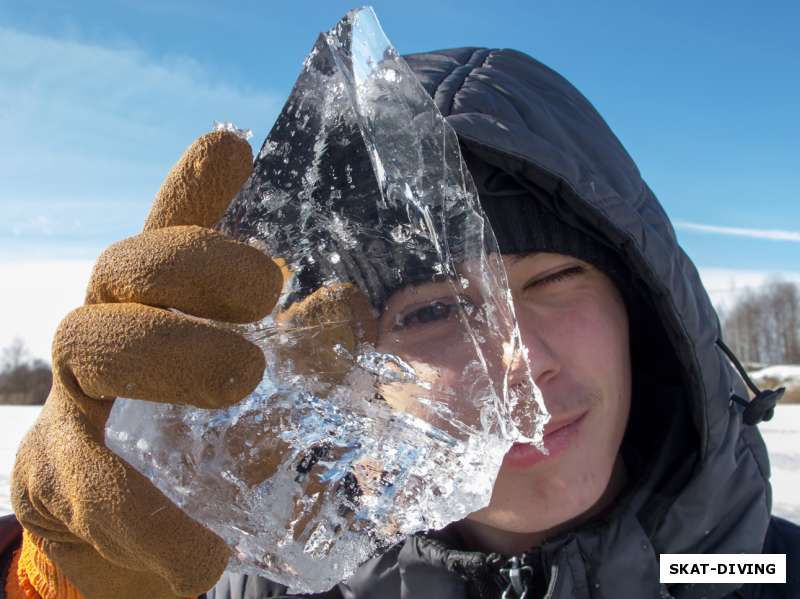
36, 295
725, 285
119, 95
771, 234
89, 132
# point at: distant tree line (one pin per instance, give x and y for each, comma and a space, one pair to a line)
763, 325
23, 380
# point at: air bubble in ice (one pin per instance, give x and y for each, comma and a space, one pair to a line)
387, 368
401, 233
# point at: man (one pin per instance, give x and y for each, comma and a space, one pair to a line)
654, 456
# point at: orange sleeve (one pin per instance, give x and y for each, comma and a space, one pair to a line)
33, 576
12, 588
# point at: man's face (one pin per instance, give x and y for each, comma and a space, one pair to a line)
574, 324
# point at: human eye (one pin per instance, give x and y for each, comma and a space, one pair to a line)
435, 311
560, 275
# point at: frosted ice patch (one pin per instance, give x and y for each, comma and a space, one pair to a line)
245, 134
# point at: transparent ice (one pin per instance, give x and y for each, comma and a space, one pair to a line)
396, 379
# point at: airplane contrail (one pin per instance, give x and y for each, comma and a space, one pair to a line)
771, 234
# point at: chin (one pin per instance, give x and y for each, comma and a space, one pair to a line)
558, 503
528, 520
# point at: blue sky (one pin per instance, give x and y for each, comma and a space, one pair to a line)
98, 99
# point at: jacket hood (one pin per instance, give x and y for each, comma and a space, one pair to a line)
701, 485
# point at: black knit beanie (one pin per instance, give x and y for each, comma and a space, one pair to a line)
523, 223
521, 217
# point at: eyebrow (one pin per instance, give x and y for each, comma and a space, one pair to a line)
516, 258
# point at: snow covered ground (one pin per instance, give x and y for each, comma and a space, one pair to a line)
14, 423
782, 435
787, 375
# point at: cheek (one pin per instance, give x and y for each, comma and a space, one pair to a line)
448, 349
588, 338
443, 377
595, 350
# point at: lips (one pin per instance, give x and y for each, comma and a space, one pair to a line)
551, 427
558, 437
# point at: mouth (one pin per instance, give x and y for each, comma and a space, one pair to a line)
558, 436
553, 427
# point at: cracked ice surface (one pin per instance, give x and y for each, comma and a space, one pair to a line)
396, 380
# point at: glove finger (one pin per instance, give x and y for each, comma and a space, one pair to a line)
334, 317
109, 505
196, 270
139, 352
201, 185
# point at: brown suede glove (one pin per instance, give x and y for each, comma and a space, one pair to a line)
105, 526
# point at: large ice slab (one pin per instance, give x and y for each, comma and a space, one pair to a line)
396, 380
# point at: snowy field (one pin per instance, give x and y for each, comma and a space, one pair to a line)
14, 423
785, 375
782, 435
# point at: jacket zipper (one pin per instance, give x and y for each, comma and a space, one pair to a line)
519, 577
516, 573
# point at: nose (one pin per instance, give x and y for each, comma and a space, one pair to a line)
542, 360
537, 362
